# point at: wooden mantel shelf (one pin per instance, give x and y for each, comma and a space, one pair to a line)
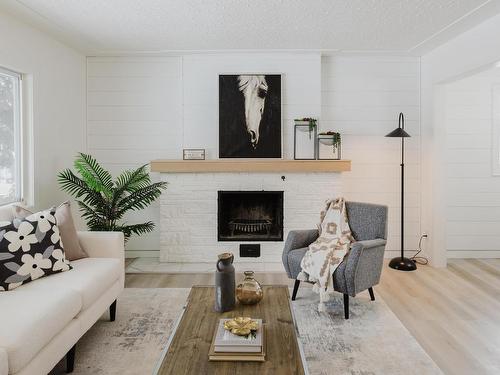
246, 165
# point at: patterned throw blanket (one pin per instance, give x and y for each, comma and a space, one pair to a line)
328, 251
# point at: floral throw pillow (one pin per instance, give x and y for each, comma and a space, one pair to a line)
30, 248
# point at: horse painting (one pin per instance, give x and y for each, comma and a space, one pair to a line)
250, 116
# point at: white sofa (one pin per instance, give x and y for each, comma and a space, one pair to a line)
42, 321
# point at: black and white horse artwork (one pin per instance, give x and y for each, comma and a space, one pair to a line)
250, 116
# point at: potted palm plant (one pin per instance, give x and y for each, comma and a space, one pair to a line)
104, 201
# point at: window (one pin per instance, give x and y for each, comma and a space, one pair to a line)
10, 137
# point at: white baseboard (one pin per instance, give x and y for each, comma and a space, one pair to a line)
388, 254
395, 253
142, 253
452, 254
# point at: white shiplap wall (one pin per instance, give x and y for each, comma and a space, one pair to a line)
142, 108
134, 116
362, 98
473, 202
301, 92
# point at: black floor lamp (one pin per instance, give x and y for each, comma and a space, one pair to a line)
401, 263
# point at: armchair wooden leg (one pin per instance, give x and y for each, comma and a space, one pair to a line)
372, 295
295, 289
112, 312
346, 306
70, 360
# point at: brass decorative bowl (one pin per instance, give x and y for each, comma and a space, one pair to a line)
241, 326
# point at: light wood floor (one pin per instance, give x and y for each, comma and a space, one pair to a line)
454, 313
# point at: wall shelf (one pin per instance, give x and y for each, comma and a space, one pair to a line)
249, 165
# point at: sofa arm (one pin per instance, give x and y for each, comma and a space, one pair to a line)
103, 244
297, 239
4, 362
364, 265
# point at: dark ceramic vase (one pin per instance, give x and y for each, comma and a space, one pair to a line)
224, 283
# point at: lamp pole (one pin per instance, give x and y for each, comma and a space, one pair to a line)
401, 263
402, 120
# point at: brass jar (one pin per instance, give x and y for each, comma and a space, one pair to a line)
249, 291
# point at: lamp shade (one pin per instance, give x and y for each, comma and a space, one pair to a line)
398, 133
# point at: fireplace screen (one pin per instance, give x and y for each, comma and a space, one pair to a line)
250, 216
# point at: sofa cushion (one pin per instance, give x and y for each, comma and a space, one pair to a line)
30, 248
66, 227
90, 277
6, 213
30, 319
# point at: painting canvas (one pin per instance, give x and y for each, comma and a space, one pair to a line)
250, 116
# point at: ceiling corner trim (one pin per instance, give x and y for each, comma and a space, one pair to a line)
468, 21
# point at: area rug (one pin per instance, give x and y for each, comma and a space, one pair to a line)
133, 343
373, 341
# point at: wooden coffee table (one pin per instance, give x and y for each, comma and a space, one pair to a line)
187, 352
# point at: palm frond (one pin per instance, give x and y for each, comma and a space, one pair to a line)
94, 175
77, 187
131, 180
73, 184
90, 214
141, 198
137, 229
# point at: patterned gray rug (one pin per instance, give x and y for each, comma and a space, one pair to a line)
373, 341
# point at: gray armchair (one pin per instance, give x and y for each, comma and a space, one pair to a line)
361, 269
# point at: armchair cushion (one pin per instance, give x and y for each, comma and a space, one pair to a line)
294, 259
339, 281
363, 266
367, 221
297, 239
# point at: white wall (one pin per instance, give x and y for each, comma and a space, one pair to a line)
56, 81
140, 109
473, 201
301, 84
468, 52
134, 108
362, 98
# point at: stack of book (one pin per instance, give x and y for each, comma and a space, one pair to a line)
227, 346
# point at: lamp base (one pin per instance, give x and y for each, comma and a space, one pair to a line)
403, 264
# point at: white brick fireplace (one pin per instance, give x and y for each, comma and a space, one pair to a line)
188, 213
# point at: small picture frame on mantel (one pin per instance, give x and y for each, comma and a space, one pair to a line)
193, 154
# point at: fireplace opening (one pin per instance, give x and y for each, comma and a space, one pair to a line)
250, 216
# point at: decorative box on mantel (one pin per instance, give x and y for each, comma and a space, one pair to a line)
189, 207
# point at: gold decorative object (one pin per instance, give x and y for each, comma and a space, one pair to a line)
249, 291
241, 326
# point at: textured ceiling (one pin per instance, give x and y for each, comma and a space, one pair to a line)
166, 25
